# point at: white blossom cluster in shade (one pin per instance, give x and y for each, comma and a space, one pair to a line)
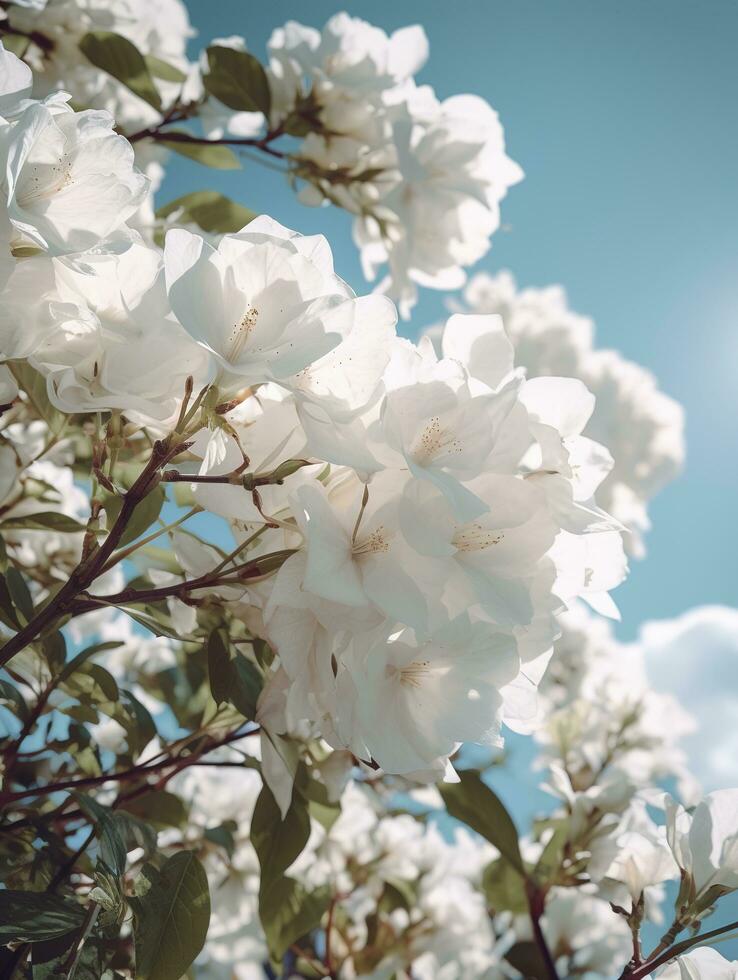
642, 427
424, 177
601, 720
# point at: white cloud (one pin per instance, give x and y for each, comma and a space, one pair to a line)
695, 658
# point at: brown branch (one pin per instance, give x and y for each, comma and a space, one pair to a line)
157, 135
536, 904
89, 568
126, 775
683, 947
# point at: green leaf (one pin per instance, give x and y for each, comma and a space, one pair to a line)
54, 647
76, 663
397, 894
12, 695
112, 848
213, 155
238, 80
504, 888
35, 386
213, 212
43, 521
171, 917
92, 685
34, 916
219, 667
475, 804
223, 836
19, 593
289, 911
8, 614
552, 854
16, 43
120, 58
235, 680
143, 516
162, 69
137, 721
247, 685
278, 842
135, 832
159, 807
526, 958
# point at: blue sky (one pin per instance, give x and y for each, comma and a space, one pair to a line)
623, 116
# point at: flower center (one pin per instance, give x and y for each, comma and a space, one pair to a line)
376, 542
434, 440
43, 182
412, 674
475, 537
240, 334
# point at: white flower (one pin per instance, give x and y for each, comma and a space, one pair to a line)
344, 71
70, 182
111, 341
705, 841
356, 553
451, 174
15, 83
446, 435
702, 963
407, 704
642, 428
266, 304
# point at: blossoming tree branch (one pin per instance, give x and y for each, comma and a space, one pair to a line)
268, 567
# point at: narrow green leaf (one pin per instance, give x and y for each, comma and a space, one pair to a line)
34, 916
247, 684
8, 614
84, 655
219, 667
54, 647
135, 832
12, 696
238, 80
137, 721
121, 58
213, 155
19, 593
213, 212
112, 847
475, 804
171, 917
43, 521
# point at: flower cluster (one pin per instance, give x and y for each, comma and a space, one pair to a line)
642, 428
424, 177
